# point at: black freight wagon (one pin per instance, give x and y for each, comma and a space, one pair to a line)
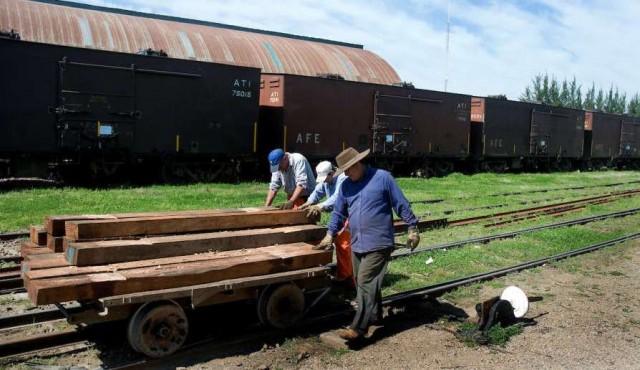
93, 112
629, 156
510, 134
407, 129
601, 139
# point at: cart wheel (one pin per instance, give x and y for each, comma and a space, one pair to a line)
281, 305
158, 329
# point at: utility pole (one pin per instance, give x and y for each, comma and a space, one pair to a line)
446, 70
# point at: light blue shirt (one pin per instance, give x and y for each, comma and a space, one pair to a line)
329, 190
299, 173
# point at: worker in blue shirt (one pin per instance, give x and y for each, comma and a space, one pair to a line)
327, 186
368, 198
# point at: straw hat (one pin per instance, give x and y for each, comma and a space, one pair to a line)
348, 158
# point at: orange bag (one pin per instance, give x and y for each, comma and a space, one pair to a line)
344, 270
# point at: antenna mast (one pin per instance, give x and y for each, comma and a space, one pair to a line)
446, 71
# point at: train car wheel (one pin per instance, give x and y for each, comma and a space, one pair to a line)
158, 329
565, 165
281, 306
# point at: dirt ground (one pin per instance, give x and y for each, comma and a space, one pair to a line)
589, 318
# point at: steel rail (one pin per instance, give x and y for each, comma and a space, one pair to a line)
512, 234
14, 235
439, 200
40, 342
37, 317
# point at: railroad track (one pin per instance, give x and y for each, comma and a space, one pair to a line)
512, 234
505, 205
14, 235
78, 338
551, 209
535, 191
497, 219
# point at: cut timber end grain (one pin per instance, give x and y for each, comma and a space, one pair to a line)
55, 224
83, 283
183, 224
55, 243
102, 252
38, 235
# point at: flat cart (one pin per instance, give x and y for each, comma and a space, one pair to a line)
158, 323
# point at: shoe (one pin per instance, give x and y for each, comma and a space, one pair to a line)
373, 328
350, 334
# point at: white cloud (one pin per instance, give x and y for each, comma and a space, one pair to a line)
495, 46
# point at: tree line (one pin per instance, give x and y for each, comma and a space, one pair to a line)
547, 90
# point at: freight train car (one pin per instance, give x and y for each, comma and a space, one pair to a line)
510, 135
408, 130
91, 113
611, 140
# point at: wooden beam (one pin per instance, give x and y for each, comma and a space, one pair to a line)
51, 261
55, 243
183, 224
55, 225
259, 261
38, 235
158, 263
30, 248
103, 252
199, 293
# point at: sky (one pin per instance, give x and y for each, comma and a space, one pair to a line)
495, 47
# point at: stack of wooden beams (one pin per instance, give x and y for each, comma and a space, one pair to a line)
88, 257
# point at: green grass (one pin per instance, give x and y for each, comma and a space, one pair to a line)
20, 209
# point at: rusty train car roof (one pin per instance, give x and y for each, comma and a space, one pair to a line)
80, 25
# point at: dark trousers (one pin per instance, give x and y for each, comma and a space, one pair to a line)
368, 271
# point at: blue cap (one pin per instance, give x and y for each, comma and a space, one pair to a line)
275, 157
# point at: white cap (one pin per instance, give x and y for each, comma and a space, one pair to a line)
323, 169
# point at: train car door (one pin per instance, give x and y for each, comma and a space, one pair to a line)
96, 106
630, 139
391, 129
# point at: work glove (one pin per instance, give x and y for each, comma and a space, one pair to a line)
314, 211
306, 205
413, 238
287, 205
326, 244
